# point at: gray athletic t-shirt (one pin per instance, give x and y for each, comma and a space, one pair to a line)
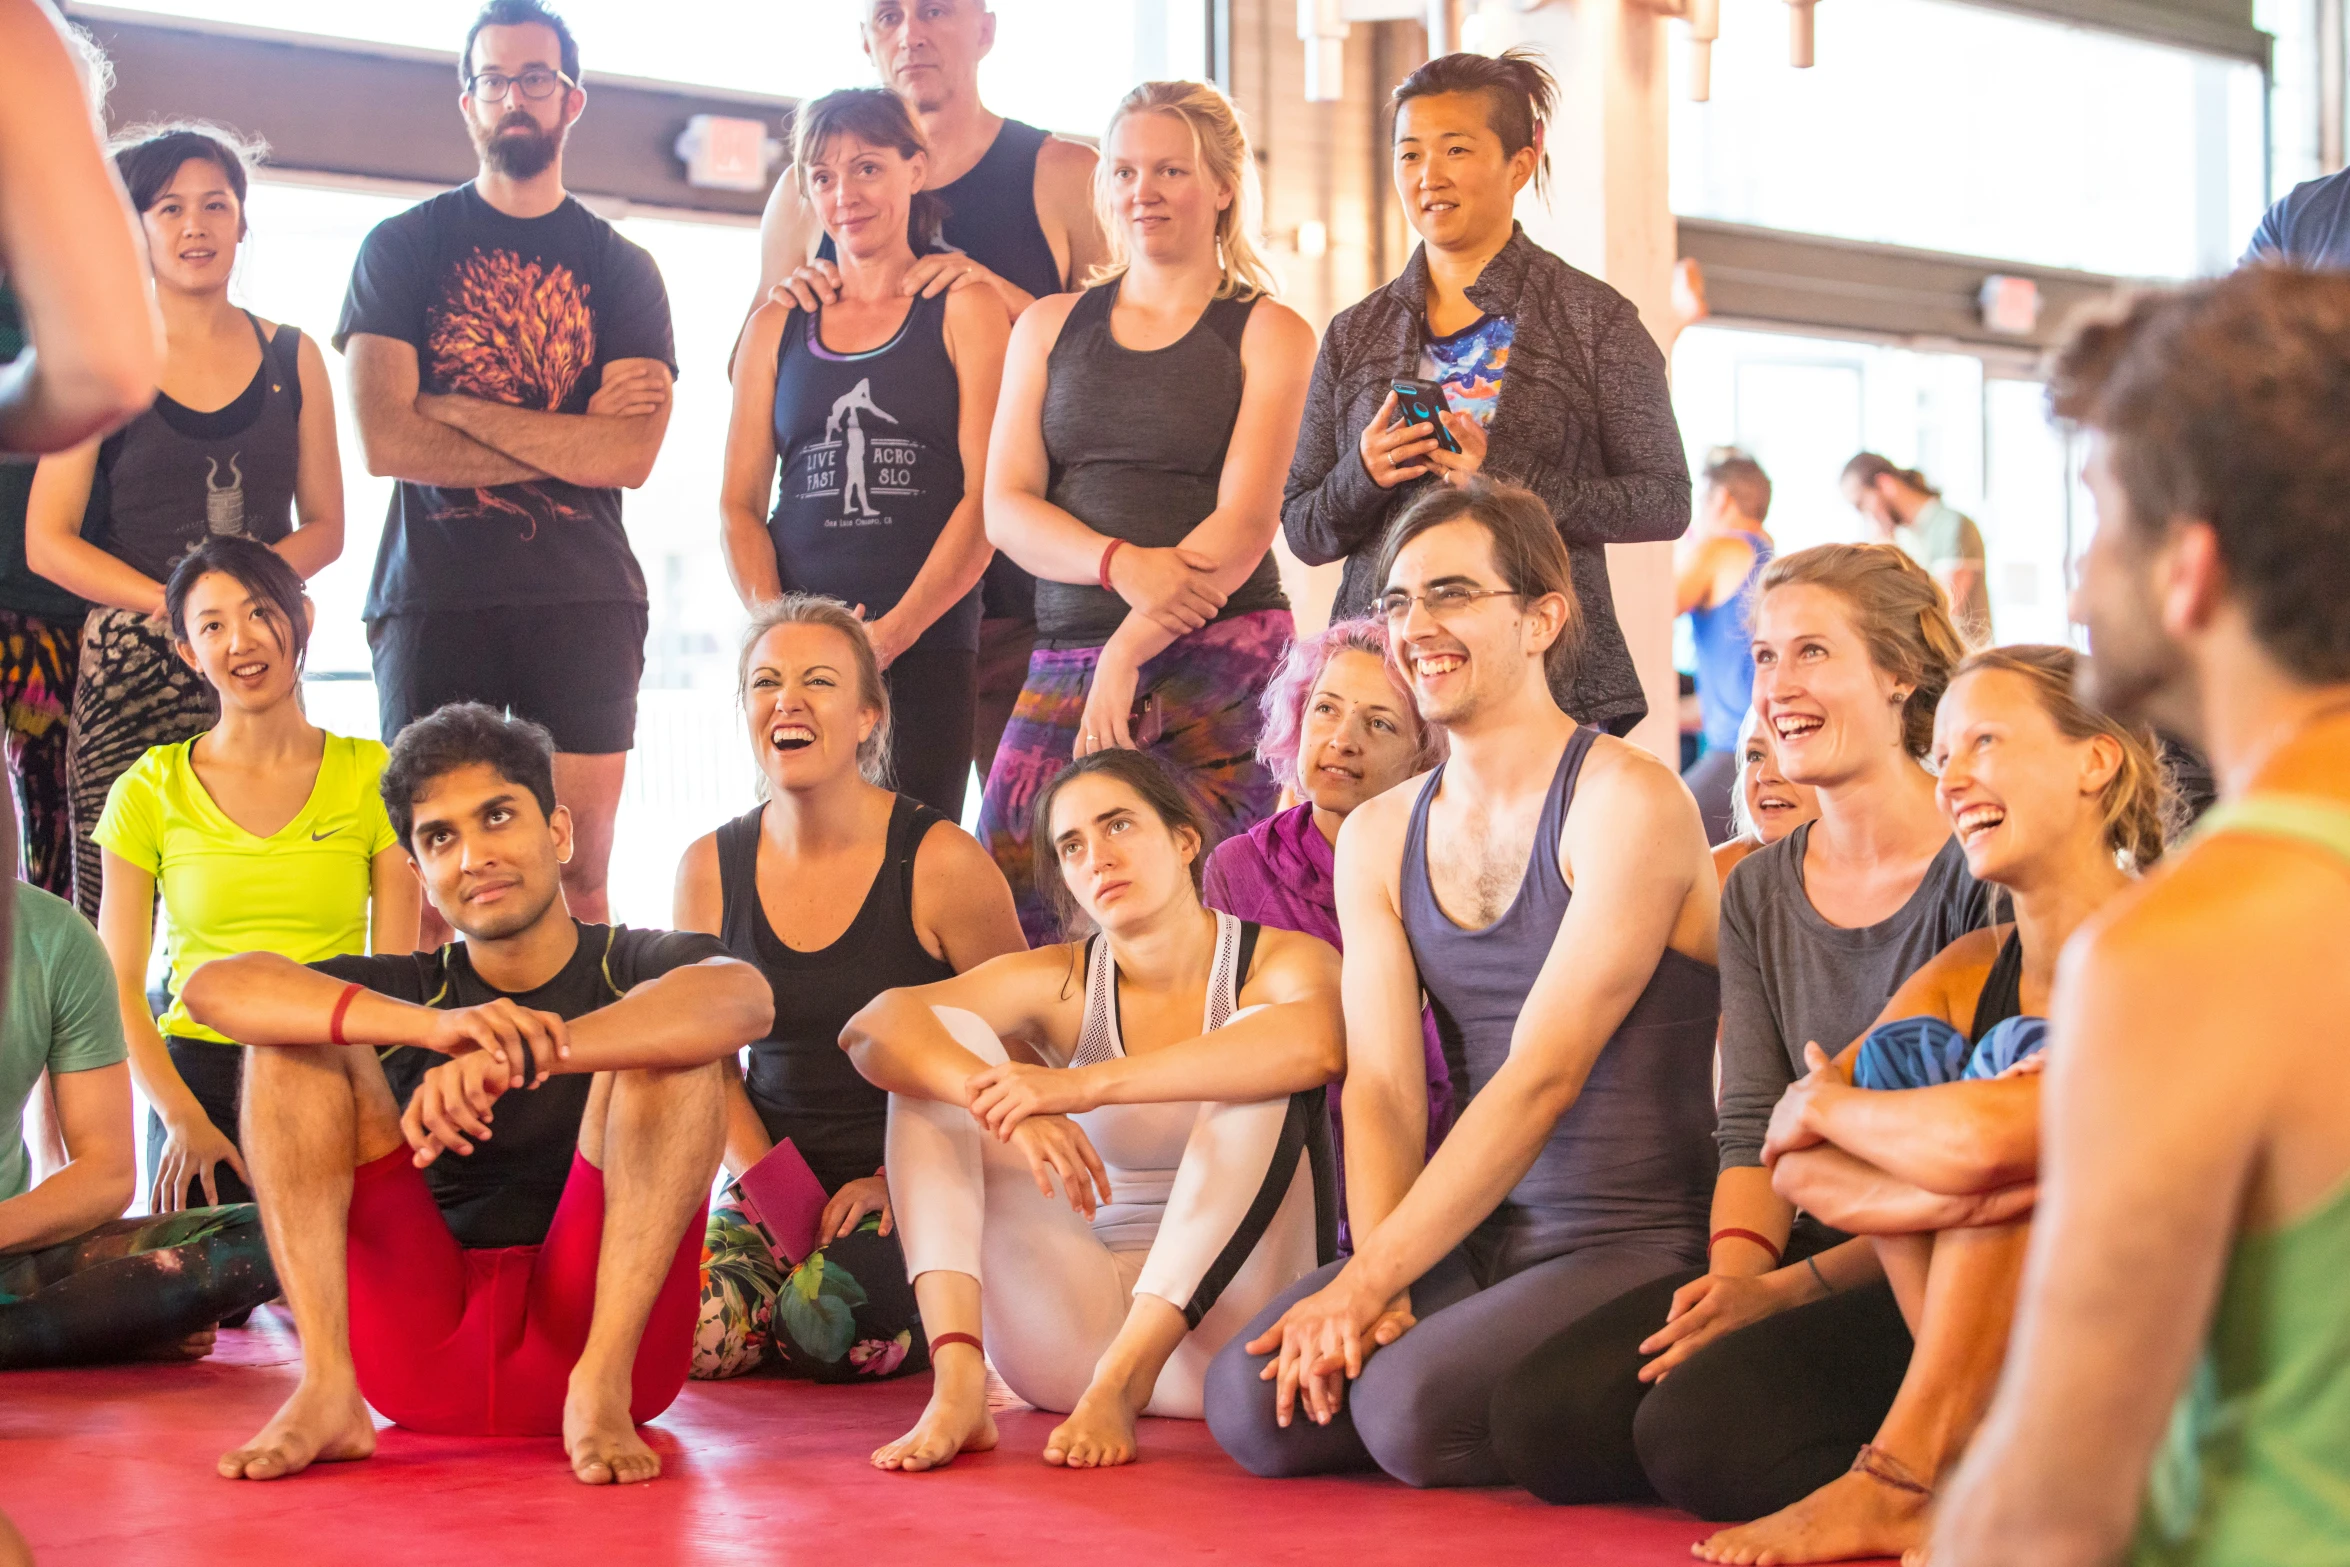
1788, 976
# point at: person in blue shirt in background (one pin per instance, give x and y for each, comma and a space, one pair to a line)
1713, 581
2309, 226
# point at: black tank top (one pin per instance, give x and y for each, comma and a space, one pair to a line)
991, 217
1634, 1154
174, 475
2002, 996
872, 466
801, 1082
1137, 441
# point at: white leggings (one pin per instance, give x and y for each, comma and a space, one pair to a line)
1187, 1226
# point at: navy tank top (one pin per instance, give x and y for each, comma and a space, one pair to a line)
801, 1082
1725, 654
1633, 1157
991, 217
1137, 440
173, 476
872, 460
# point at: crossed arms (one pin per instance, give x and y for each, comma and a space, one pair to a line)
457, 442
688, 1017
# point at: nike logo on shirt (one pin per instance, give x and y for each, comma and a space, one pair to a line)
318, 837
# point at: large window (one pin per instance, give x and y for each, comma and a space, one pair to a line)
1803, 406
1947, 126
1059, 63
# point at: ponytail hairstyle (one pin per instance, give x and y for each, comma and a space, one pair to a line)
878, 118
1221, 143
2139, 804
813, 609
1866, 469
1520, 96
1902, 615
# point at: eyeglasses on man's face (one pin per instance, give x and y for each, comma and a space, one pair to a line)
537, 83
1445, 601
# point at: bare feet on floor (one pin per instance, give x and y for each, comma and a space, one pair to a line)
601, 1439
1099, 1433
956, 1420
1853, 1515
194, 1347
318, 1425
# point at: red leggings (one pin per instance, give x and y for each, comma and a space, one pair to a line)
481, 1343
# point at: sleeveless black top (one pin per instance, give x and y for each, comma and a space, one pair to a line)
1137, 441
173, 475
991, 217
2002, 995
872, 466
1633, 1156
801, 1082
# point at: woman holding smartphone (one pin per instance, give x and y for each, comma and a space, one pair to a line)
1136, 470
1489, 354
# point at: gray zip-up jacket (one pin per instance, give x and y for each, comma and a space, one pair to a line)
1585, 421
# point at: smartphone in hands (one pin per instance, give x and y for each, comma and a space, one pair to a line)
1419, 401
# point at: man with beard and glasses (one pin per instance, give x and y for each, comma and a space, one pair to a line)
1549, 888
511, 365
2181, 1361
1020, 219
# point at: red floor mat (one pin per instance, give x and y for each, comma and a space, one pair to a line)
113, 1468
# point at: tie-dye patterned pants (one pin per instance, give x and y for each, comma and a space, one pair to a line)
1208, 686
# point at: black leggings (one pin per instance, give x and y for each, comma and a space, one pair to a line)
213, 1074
933, 695
1753, 1422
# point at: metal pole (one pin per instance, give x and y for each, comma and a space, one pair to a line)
1440, 35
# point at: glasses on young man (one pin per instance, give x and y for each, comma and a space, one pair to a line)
537, 84
1444, 601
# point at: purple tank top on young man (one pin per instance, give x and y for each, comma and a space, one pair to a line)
1633, 1155
1282, 872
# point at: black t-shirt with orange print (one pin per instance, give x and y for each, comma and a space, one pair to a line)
525, 312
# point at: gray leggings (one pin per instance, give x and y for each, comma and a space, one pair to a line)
1422, 1409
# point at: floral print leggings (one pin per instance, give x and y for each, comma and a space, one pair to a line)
845, 1314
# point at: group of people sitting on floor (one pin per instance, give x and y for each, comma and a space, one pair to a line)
1349, 1041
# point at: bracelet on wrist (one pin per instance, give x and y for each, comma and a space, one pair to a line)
1732, 1232
1826, 1289
1103, 572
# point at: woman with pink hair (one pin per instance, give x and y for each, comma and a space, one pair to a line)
1340, 729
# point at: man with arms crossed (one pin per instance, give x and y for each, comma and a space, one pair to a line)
545, 1280
2182, 1307
1021, 220
511, 366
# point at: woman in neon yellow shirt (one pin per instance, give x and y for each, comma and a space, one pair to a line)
265, 834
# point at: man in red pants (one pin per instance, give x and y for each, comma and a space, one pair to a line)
484, 1170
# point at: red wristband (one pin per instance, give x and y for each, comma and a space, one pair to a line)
334, 1023
940, 1341
1115, 545
1720, 1236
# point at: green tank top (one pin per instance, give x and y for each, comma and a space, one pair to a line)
2252, 1472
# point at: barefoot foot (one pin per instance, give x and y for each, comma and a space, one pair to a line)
1853, 1515
194, 1347
956, 1420
601, 1439
1099, 1433
316, 1425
